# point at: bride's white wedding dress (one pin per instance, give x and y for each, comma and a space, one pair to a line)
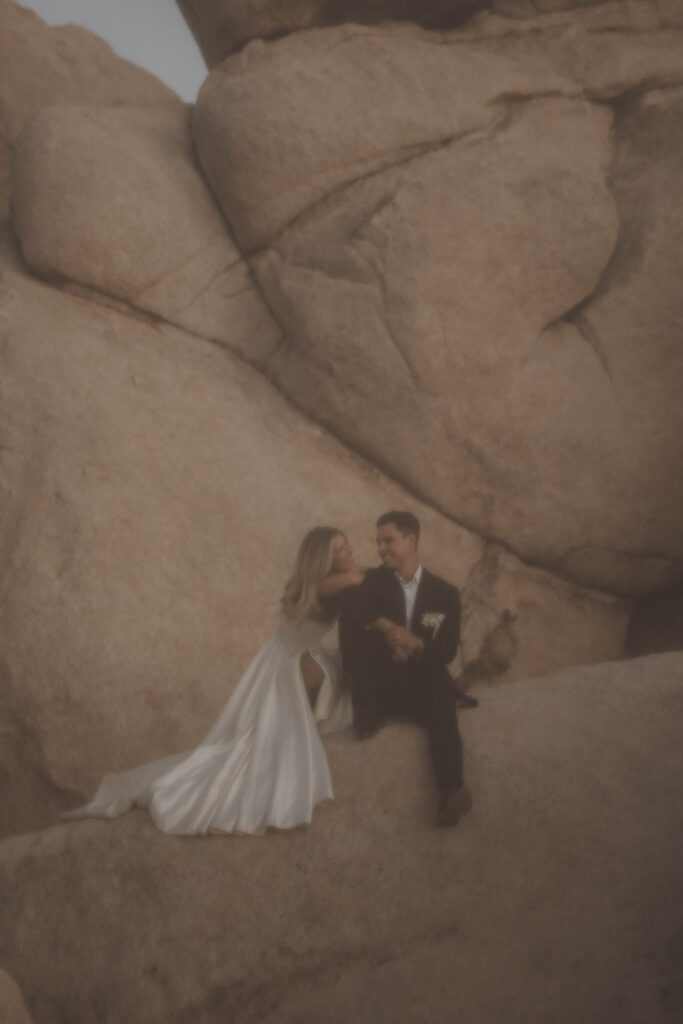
261, 765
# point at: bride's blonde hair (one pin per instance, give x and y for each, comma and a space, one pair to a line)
313, 563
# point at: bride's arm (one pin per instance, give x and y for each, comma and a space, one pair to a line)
335, 582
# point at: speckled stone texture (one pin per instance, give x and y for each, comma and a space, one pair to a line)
376, 266
498, 262
42, 66
557, 898
223, 26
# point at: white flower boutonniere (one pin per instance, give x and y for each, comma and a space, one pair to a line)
432, 620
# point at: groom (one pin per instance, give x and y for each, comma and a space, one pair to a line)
398, 631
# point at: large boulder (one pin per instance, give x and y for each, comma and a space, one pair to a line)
223, 26
11, 1002
519, 622
487, 275
29, 798
112, 199
41, 66
610, 48
556, 899
639, 13
281, 127
155, 489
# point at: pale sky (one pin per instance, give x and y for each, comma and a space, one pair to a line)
152, 33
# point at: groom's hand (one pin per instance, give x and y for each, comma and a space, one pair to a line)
402, 643
400, 653
399, 636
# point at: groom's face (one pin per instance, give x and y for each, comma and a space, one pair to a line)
394, 549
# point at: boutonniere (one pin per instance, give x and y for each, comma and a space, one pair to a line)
432, 620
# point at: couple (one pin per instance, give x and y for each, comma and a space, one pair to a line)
262, 764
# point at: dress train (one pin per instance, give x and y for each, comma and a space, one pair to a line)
261, 765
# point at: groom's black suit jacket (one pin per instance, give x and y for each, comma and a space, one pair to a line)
366, 655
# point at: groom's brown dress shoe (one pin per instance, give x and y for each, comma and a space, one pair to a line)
367, 724
463, 700
453, 805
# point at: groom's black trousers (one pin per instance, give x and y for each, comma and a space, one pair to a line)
426, 697
382, 689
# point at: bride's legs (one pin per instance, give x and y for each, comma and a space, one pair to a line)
312, 675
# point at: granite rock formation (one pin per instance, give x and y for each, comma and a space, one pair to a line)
11, 1002
29, 798
155, 491
373, 267
519, 622
499, 262
410, 240
333, 274
557, 898
223, 26
42, 66
145, 231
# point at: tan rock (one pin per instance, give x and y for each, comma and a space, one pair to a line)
29, 799
519, 623
220, 28
155, 490
460, 317
637, 13
632, 321
144, 230
564, 877
609, 48
41, 66
280, 127
396, 296
12, 1008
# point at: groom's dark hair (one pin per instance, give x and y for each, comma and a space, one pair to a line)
405, 522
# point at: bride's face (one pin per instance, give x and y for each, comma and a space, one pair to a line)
342, 554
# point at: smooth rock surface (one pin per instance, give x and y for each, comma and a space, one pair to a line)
282, 126
223, 26
633, 323
156, 490
29, 799
12, 1007
519, 622
284, 130
566, 876
41, 66
112, 199
497, 263
480, 370
609, 48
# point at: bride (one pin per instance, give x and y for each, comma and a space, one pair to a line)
262, 763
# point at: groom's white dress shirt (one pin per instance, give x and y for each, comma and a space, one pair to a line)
410, 590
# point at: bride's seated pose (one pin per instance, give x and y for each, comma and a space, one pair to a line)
262, 764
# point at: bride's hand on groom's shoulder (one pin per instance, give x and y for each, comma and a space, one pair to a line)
335, 582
